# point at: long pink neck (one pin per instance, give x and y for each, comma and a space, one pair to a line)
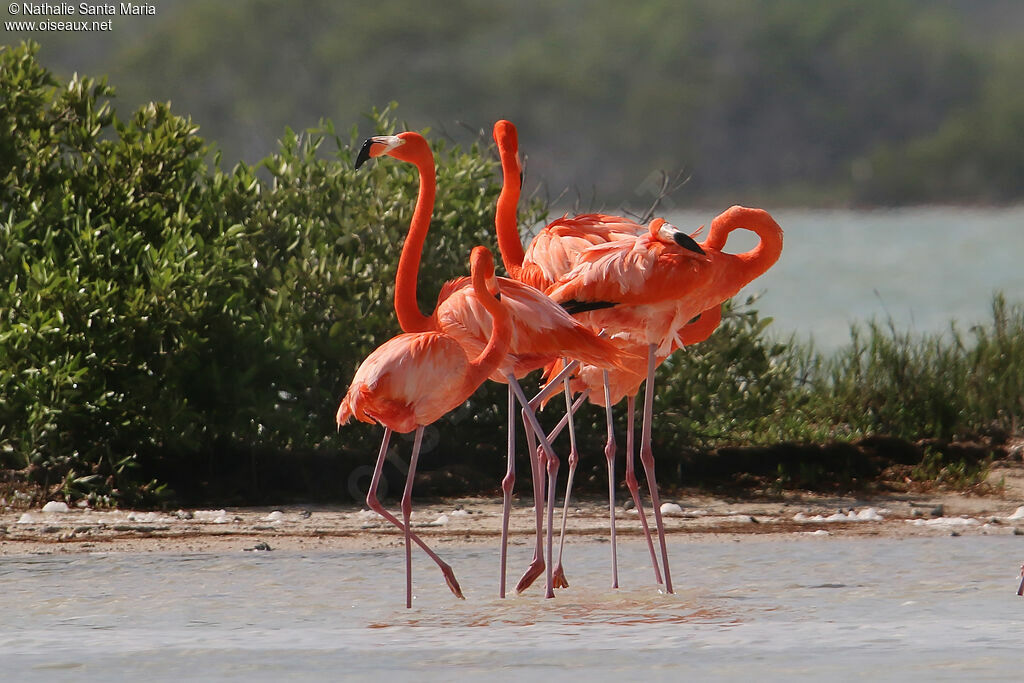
410, 318
759, 259
492, 355
505, 220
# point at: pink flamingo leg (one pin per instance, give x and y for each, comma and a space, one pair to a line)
552, 468
407, 513
536, 567
574, 457
647, 459
634, 487
551, 437
1020, 590
537, 459
506, 487
609, 454
374, 504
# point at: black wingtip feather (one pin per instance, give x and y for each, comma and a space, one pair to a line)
573, 307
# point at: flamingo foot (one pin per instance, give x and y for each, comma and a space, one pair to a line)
453, 583
536, 569
558, 577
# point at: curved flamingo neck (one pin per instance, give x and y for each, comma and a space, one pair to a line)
410, 318
492, 355
505, 220
769, 246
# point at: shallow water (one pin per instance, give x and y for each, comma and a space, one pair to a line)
919, 267
806, 607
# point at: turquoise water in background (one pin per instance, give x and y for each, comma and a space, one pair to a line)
798, 608
921, 267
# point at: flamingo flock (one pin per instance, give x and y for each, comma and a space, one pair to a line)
595, 302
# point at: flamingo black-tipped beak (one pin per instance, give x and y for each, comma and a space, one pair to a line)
364, 153
687, 242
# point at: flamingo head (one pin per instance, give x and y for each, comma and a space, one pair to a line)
507, 139
663, 231
506, 136
481, 264
408, 146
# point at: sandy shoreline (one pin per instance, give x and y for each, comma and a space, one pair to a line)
476, 521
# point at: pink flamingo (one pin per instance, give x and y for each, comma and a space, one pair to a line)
412, 380
644, 291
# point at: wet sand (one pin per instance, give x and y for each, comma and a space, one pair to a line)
477, 521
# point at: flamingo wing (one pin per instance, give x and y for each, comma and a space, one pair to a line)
633, 272
556, 249
410, 380
541, 330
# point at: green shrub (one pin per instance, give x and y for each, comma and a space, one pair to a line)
938, 386
732, 388
163, 321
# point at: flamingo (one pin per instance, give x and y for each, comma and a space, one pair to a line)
551, 255
541, 331
412, 380
643, 291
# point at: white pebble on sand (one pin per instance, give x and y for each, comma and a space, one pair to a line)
671, 510
1018, 513
56, 506
215, 516
440, 521
146, 517
865, 515
459, 513
275, 516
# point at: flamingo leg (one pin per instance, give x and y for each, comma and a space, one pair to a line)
551, 437
374, 504
634, 487
552, 468
609, 454
557, 429
537, 460
407, 513
555, 385
506, 487
536, 567
574, 457
647, 459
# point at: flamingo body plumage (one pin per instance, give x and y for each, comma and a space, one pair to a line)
410, 380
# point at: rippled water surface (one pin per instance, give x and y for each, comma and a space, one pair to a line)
875, 609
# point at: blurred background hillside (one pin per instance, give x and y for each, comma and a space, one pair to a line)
877, 102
